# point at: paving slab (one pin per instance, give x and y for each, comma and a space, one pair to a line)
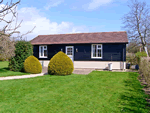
76, 70
83, 71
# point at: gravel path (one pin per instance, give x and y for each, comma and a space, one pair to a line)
21, 77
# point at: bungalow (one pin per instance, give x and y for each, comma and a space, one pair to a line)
86, 50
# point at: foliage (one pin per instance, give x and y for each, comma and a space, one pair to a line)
4, 70
133, 47
7, 48
60, 64
23, 50
145, 70
134, 59
139, 55
131, 58
32, 65
2, 59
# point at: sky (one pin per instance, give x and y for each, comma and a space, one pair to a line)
70, 16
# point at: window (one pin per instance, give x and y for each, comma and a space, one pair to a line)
69, 51
42, 51
96, 51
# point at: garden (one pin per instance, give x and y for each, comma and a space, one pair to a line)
62, 91
95, 92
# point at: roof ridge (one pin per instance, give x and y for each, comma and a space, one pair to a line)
82, 33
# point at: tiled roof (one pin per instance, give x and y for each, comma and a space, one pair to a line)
75, 38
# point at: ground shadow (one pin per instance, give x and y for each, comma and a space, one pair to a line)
4, 70
134, 98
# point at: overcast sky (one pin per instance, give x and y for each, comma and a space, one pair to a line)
71, 16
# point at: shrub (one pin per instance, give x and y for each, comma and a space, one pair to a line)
2, 59
131, 58
32, 65
60, 64
139, 55
144, 69
23, 50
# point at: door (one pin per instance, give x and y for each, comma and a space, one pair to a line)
70, 52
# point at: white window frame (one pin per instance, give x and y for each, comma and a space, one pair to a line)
72, 52
43, 51
96, 51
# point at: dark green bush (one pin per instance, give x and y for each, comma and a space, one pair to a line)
60, 64
23, 50
32, 65
139, 55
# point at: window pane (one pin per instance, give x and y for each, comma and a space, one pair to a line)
94, 46
69, 49
45, 53
94, 50
94, 54
99, 52
68, 53
99, 46
41, 50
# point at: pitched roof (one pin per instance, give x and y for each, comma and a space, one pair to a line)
97, 37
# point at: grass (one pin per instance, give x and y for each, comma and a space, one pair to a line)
97, 92
4, 70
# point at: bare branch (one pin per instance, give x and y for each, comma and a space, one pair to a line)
1, 1
28, 32
9, 7
137, 22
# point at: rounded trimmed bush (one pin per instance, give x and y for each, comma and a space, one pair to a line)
60, 64
32, 65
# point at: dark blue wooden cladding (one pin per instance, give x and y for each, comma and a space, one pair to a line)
110, 51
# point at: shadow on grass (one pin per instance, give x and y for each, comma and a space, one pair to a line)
4, 70
133, 99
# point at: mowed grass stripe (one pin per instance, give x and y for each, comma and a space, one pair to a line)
96, 92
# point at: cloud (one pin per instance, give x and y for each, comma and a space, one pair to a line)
53, 3
94, 4
31, 17
73, 7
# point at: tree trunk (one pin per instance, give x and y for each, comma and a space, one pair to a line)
145, 48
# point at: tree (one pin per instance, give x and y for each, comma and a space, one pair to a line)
7, 48
137, 23
133, 47
23, 50
9, 32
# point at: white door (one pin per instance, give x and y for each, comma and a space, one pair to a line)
69, 52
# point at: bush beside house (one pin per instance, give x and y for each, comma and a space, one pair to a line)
134, 59
144, 69
60, 64
139, 55
23, 50
32, 65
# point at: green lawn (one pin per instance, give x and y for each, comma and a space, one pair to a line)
4, 70
97, 92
